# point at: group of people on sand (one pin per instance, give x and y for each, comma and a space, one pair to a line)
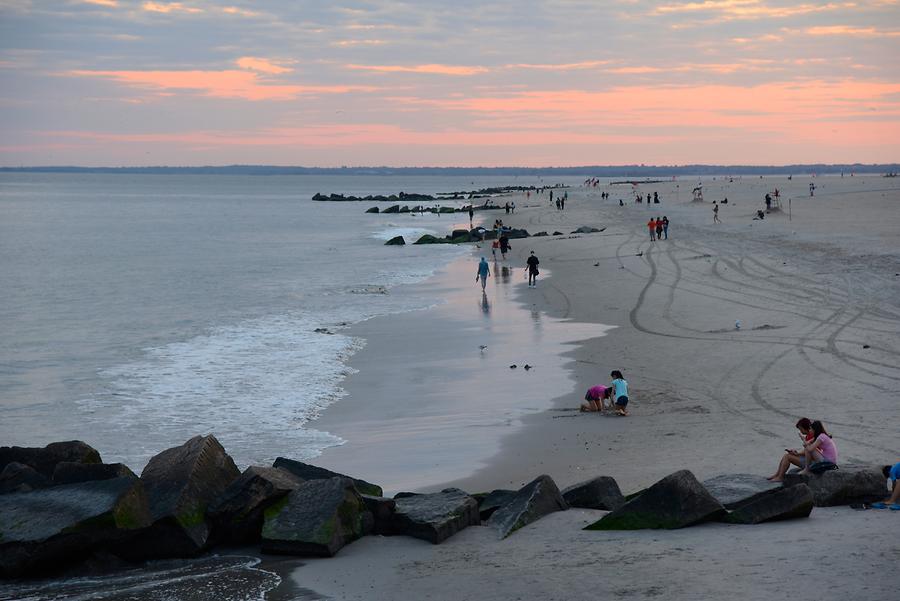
658, 227
818, 448
531, 265
613, 397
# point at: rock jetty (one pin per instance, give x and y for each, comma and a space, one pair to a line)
61, 505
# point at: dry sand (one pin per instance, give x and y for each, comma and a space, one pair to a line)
818, 298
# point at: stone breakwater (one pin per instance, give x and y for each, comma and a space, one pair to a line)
61, 505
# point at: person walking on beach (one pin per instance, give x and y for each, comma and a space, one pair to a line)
665, 223
651, 225
494, 246
484, 272
512, 207
659, 228
471, 215
716, 212
506, 206
504, 246
620, 392
532, 270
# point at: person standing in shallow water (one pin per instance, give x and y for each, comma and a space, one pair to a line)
484, 271
532, 269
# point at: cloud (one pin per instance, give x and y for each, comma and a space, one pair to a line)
169, 7
109, 3
846, 30
245, 85
558, 66
260, 64
731, 10
359, 43
243, 12
430, 69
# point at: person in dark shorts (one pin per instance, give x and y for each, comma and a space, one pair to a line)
620, 392
504, 246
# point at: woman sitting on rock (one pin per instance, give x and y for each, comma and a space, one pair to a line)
811, 448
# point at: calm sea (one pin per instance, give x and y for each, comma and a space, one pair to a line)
139, 310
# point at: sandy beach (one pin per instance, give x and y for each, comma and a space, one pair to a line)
816, 288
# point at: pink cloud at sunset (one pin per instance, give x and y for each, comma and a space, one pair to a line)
749, 9
432, 69
219, 84
260, 64
169, 7
845, 30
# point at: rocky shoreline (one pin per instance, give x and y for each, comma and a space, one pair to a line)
61, 506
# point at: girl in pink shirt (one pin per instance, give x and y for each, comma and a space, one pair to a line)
822, 448
594, 397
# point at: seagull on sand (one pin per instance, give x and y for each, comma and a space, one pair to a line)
482, 347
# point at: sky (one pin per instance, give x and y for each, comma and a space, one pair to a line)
448, 83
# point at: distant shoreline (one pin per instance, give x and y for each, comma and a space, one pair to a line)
587, 170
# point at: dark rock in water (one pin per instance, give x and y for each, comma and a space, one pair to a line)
539, 234
459, 234
584, 229
557, 233
304, 471
18, 477
446, 210
734, 490
490, 235
676, 501
781, 504
490, 502
435, 517
67, 472
42, 530
382, 510
849, 484
181, 482
237, 513
372, 210
316, 520
44, 460
530, 503
392, 209
598, 493
396, 241
515, 233
404, 209
404, 494
429, 239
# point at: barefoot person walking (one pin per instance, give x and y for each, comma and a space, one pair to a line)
532, 270
484, 271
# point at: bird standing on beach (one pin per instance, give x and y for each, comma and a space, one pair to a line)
482, 347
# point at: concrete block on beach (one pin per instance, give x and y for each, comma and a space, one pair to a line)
597, 493
44, 459
181, 482
237, 513
849, 484
435, 517
532, 502
734, 490
676, 501
317, 519
44, 530
780, 504
306, 471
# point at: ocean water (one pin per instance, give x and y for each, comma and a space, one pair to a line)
139, 310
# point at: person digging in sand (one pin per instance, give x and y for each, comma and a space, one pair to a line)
891, 472
620, 394
595, 397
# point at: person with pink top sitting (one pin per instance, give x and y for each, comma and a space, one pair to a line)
821, 448
595, 396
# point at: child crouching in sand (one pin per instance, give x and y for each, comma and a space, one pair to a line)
595, 397
620, 392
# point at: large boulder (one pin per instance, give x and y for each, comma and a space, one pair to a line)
781, 504
181, 482
392, 209
490, 502
305, 471
316, 520
849, 484
372, 210
18, 477
532, 502
676, 501
429, 239
237, 513
586, 229
396, 241
517, 233
43, 530
734, 490
598, 493
382, 510
435, 517
68, 472
45, 459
